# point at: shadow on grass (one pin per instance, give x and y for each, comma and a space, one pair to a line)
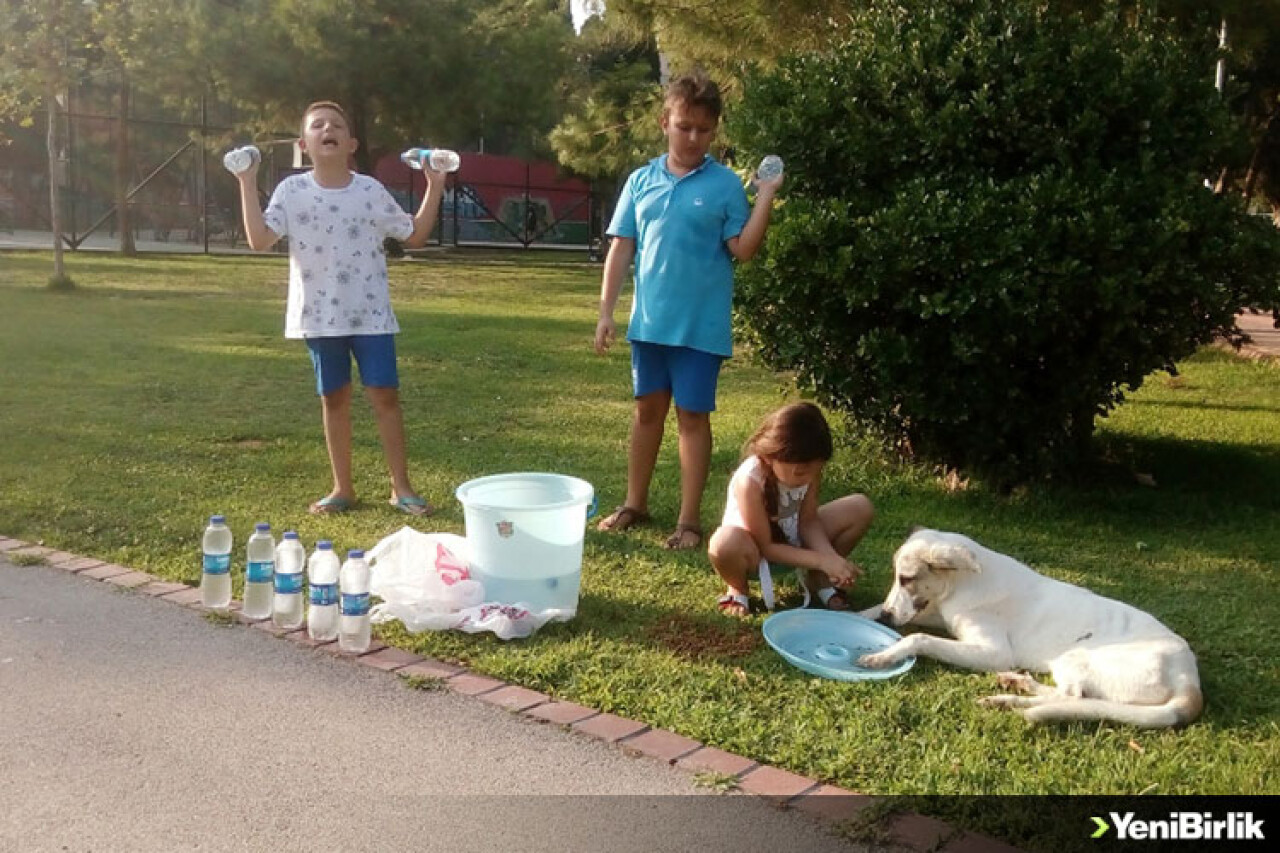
1243, 474
1199, 406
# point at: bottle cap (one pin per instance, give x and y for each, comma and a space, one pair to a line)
262, 527
217, 519
290, 534
355, 554
324, 545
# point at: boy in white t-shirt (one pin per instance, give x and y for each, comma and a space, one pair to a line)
339, 302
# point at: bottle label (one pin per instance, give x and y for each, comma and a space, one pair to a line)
324, 594
217, 564
260, 571
288, 584
355, 605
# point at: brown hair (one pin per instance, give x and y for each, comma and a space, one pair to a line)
795, 433
694, 89
324, 105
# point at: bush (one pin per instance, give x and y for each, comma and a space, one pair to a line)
995, 224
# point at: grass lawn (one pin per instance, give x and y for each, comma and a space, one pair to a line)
162, 390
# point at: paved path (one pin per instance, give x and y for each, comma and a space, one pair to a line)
1266, 337
132, 723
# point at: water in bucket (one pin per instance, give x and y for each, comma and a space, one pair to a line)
524, 532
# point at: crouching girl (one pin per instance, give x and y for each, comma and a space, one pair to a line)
773, 515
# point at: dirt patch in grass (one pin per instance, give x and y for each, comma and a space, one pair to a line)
695, 639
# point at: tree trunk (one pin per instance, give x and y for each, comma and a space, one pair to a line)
1261, 153
124, 220
55, 209
360, 130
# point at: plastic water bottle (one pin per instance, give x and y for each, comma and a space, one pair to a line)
215, 575
353, 635
259, 572
238, 160
291, 560
322, 574
440, 159
770, 168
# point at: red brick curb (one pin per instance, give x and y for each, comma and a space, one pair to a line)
430, 668
609, 728
712, 760
103, 571
470, 684
662, 745
564, 713
159, 588
31, 551
130, 579
515, 698
390, 659
828, 803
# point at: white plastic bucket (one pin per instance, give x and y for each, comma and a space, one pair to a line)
525, 533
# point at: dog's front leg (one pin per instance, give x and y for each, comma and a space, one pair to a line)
901, 650
984, 652
872, 613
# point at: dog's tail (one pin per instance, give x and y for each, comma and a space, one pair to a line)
1182, 708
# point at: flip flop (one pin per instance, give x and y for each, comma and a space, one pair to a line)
623, 518
412, 505
731, 604
330, 505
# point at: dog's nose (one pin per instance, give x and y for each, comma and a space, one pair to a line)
886, 618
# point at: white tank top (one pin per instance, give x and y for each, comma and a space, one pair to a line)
789, 500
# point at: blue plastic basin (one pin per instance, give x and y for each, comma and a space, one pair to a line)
828, 643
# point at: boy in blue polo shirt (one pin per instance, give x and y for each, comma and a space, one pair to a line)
683, 218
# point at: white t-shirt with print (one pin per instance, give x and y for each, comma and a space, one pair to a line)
337, 266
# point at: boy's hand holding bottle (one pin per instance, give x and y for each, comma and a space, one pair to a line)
768, 177
243, 162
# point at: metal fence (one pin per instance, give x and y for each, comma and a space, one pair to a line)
180, 199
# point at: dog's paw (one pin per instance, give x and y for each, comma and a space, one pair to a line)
879, 660
1018, 681
1003, 700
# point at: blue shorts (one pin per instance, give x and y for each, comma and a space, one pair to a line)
689, 374
375, 356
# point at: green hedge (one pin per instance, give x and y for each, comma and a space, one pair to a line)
995, 224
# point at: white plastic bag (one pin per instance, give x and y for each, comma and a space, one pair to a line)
424, 581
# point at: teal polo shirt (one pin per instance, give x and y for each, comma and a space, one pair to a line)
683, 270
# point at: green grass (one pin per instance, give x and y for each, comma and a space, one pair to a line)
161, 390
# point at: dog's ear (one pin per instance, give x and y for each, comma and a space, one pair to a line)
914, 529
945, 555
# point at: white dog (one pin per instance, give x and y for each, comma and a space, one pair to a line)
1109, 660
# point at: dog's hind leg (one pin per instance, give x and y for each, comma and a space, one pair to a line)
1009, 700
1023, 683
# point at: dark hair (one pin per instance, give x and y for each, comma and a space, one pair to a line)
795, 433
695, 89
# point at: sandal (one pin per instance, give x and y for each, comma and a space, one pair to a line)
733, 604
623, 518
677, 541
330, 505
412, 505
834, 599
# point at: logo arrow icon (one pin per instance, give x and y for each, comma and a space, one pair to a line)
1102, 827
